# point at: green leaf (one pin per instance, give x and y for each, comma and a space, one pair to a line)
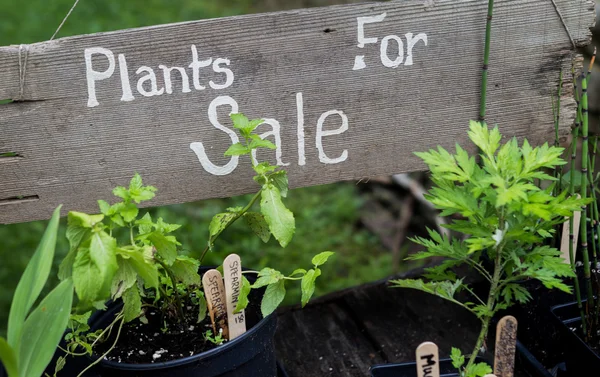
124, 279
166, 246
132, 304
142, 260
144, 224
274, 295
242, 123
267, 276
85, 276
8, 358
258, 142
219, 223
83, 219
321, 258
137, 192
258, 225
479, 370
103, 253
185, 270
458, 360
105, 208
32, 281
129, 212
237, 149
121, 192
300, 271
44, 329
202, 305
243, 297
261, 169
488, 141
280, 219
308, 284
280, 180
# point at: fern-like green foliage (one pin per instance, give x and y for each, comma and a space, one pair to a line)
503, 214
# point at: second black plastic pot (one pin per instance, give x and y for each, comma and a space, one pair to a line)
580, 359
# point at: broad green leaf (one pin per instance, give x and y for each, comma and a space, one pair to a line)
44, 329
144, 224
280, 219
280, 180
243, 297
237, 149
137, 191
103, 253
32, 281
258, 225
274, 295
263, 168
142, 260
83, 219
105, 208
258, 142
297, 271
308, 284
267, 276
185, 270
164, 227
132, 304
124, 279
121, 192
479, 370
219, 222
166, 246
129, 212
321, 258
85, 276
8, 358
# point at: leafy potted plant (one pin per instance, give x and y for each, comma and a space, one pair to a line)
505, 218
155, 322
33, 334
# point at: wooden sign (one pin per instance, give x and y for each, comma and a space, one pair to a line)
212, 281
566, 236
428, 360
346, 92
506, 345
232, 274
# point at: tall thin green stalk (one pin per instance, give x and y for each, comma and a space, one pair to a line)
556, 112
486, 59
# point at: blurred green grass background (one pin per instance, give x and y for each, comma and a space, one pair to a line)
327, 217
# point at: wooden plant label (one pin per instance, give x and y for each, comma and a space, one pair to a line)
346, 92
566, 236
506, 344
428, 360
214, 291
232, 274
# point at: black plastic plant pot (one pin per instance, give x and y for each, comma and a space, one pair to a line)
580, 359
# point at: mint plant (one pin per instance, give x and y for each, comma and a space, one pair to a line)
120, 254
504, 217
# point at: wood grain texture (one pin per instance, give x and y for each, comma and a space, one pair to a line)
73, 154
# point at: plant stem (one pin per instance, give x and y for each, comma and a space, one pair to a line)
486, 58
556, 108
105, 353
178, 301
240, 214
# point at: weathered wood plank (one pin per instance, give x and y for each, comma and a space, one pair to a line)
74, 154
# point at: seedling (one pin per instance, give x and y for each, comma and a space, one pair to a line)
506, 219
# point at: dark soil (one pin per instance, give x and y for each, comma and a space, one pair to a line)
158, 340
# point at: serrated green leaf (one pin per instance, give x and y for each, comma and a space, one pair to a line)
132, 304
280, 219
280, 180
219, 223
237, 149
142, 260
479, 370
44, 329
308, 284
321, 258
185, 270
129, 212
32, 282
83, 219
121, 192
166, 246
297, 271
258, 225
103, 254
267, 276
125, 277
263, 168
202, 306
243, 297
85, 276
274, 295
257, 142
104, 208
458, 360
144, 224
